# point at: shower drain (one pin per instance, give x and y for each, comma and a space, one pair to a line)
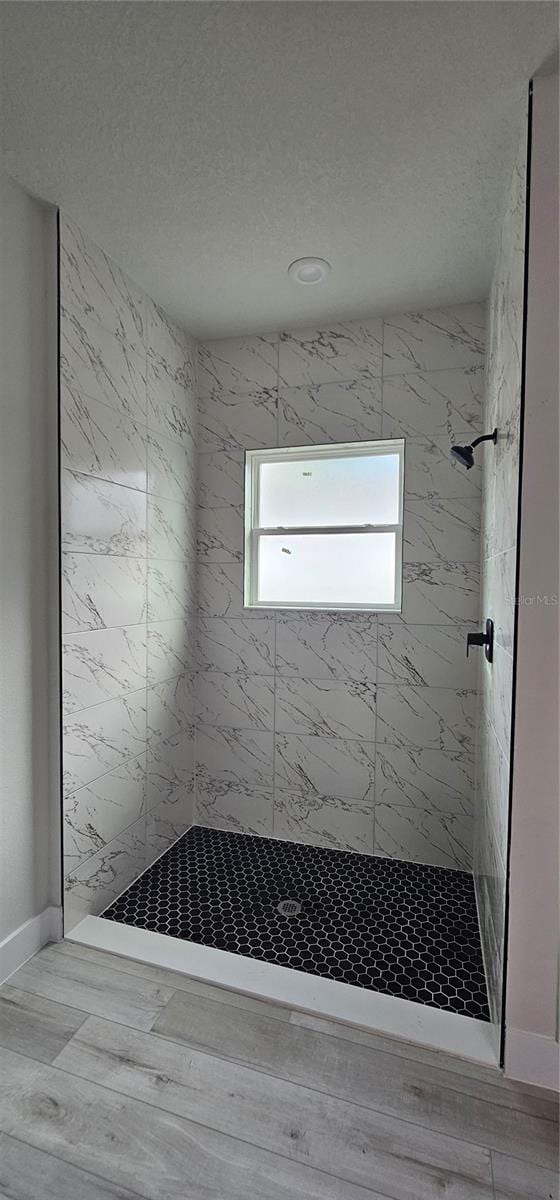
288, 908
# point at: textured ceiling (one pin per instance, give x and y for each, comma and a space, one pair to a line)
206, 145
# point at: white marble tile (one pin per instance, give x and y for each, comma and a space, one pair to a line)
436, 404
438, 594
437, 718
171, 589
171, 406
170, 708
95, 363
236, 646
171, 530
331, 412
166, 823
99, 664
498, 595
325, 708
236, 756
326, 647
327, 766
94, 285
171, 471
238, 365
170, 347
99, 812
171, 649
221, 477
436, 339
235, 701
329, 821
96, 440
220, 534
430, 472
229, 806
102, 591
412, 834
433, 780
171, 770
429, 655
98, 739
220, 591
104, 875
441, 530
102, 518
344, 351
496, 695
230, 422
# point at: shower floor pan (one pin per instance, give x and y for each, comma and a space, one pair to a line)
399, 928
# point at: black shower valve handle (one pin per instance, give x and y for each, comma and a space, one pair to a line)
483, 639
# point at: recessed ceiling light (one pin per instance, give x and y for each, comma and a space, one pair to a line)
309, 270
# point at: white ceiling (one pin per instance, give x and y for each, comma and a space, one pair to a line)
206, 145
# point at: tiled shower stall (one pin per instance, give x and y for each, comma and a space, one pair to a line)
347, 732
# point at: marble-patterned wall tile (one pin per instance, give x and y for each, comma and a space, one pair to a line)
438, 594
220, 592
96, 814
325, 708
434, 404
167, 822
325, 765
433, 780
431, 473
343, 351
426, 655
240, 366
498, 599
236, 646
97, 364
230, 806
171, 406
235, 701
330, 821
412, 834
441, 530
238, 756
92, 886
220, 534
230, 422
221, 476
102, 591
103, 737
171, 530
96, 440
438, 718
170, 472
100, 664
101, 517
496, 691
170, 774
169, 346
170, 708
331, 412
171, 646
171, 589
94, 285
437, 339
327, 647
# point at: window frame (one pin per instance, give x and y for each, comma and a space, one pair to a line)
252, 532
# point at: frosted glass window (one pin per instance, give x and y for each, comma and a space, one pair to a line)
323, 526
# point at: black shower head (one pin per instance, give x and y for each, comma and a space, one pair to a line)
465, 454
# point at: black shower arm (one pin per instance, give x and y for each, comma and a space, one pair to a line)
486, 437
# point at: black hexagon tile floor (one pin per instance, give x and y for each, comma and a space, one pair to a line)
401, 928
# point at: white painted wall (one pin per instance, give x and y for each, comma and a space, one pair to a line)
532, 981
29, 820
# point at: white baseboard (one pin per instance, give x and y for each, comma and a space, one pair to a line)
24, 942
532, 1058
